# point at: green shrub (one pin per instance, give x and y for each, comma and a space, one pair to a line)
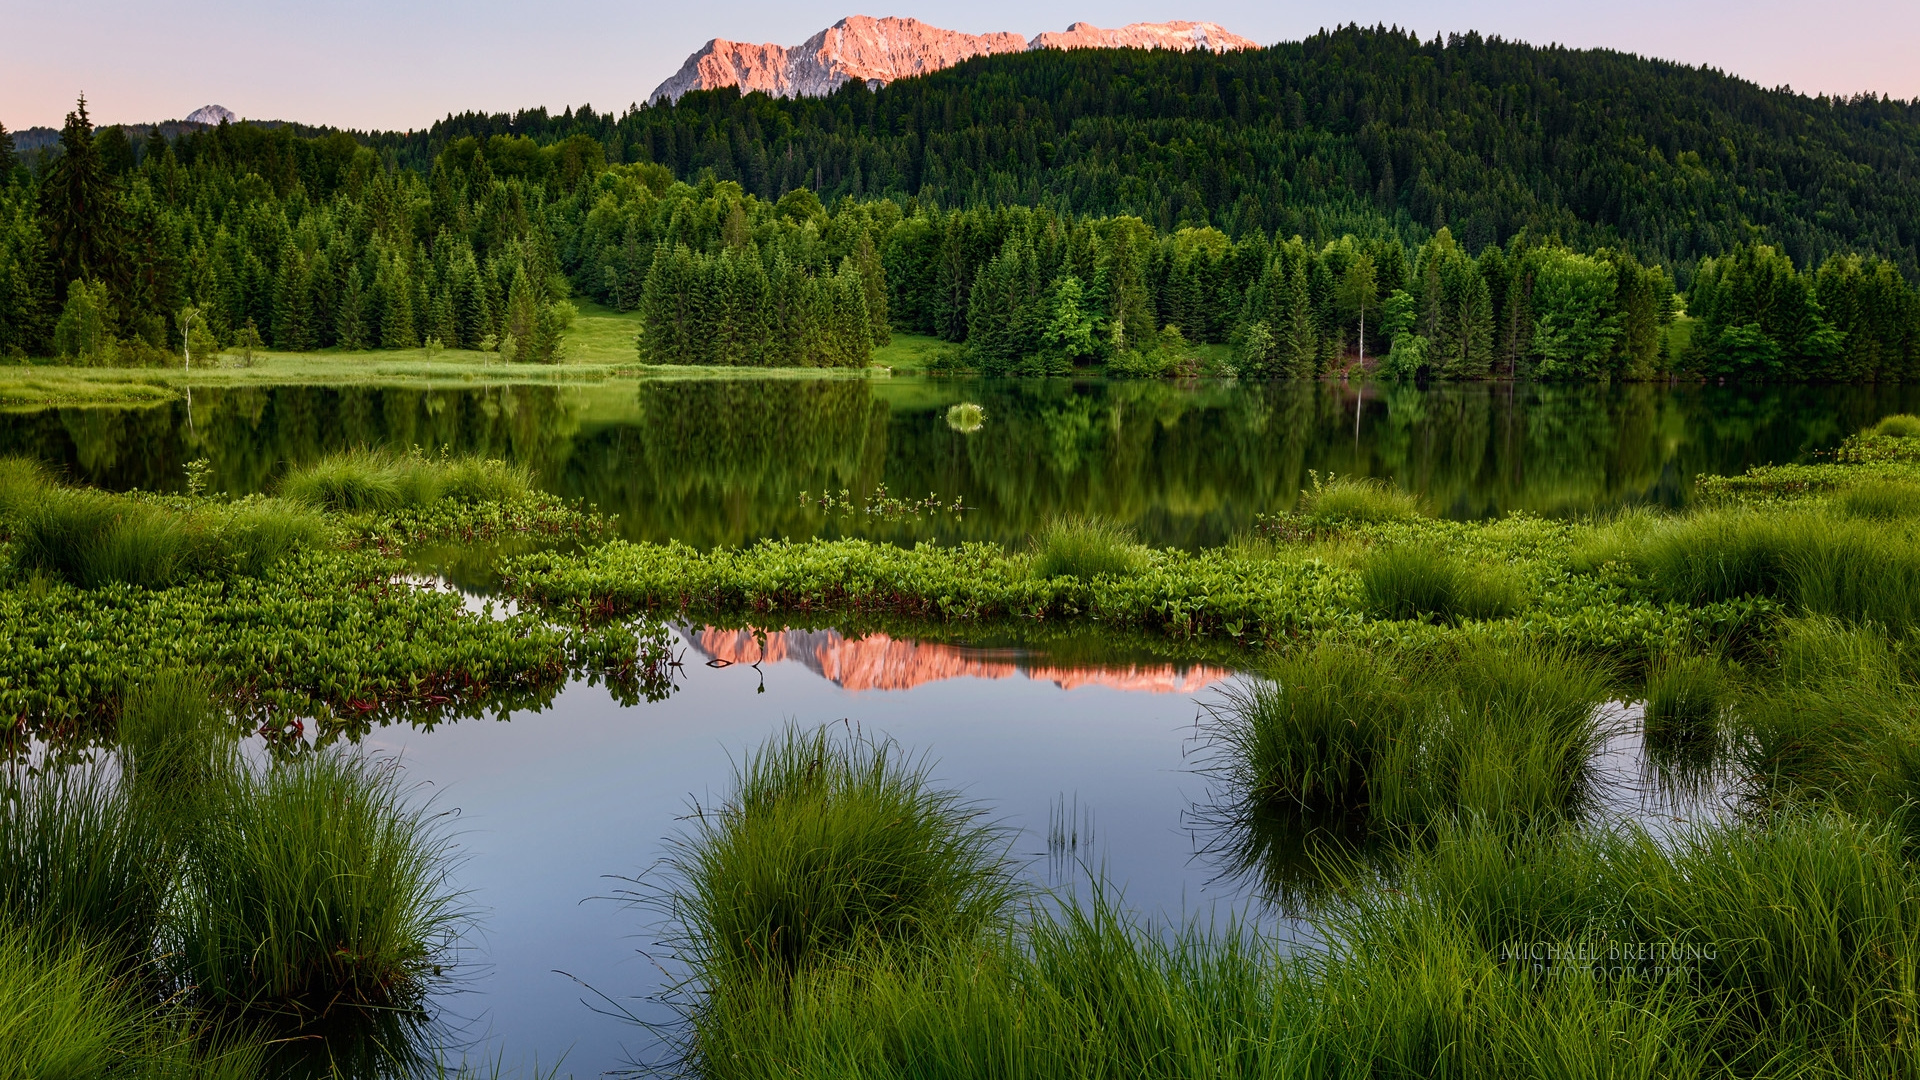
1348, 500
1884, 500
1420, 582
316, 885
1086, 548
1897, 426
826, 844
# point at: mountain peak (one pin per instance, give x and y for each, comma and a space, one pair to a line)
882, 50
211, 115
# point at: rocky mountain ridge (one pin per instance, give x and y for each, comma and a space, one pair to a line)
882, 50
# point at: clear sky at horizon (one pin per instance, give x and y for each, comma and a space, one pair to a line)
401, 64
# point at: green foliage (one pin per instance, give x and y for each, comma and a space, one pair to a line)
966, 417
84, 333
1086, 548
76, 860
1421, 582
316, 885
829, 844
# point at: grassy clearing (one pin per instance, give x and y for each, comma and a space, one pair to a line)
910, 353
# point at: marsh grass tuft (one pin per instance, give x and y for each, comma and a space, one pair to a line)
1686, 705
1340, 733
1350, 500
966, 417
23, 483
1880, 500
92, 538
318, 885
377, 481
77, 860
830, 843
1086, 548
1897, 426
1421, 582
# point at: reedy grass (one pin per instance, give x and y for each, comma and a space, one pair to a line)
23, 482
1086, 548
76, 859
375, 481
93, 539
1402, 742
1422, 582
1687, 701
1898, 426
831, 842
1883, 500
67, 1011
1788, 952
1349, 500
1854, 570
317, 888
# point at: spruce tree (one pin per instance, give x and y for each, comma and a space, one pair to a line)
8, 158
79, 211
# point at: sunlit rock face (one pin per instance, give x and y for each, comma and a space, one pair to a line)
879, 662
1177, 36
857, 47
882, 50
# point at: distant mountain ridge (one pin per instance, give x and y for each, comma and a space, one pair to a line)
879, 51
206, 116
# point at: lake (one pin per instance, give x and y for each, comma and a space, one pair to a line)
1090, 761
726, 461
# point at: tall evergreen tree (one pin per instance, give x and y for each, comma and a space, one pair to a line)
78, 209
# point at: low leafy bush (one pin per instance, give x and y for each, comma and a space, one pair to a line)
1086, 548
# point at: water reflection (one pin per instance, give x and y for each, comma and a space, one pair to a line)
881, 662
725, 462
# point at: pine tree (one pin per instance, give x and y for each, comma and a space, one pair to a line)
349, 324
873, 281
8, 158
397, 329
1298, 335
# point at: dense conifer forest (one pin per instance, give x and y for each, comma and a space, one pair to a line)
1462, 208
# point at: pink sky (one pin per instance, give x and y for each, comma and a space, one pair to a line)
397, 64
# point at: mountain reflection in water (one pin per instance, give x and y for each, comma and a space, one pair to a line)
880, 662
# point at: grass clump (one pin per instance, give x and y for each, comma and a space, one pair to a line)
1396, 744
1422, 582
1687, 702
377, 481
1086, 548
1883, 500
23, 483
76, 859
1897, 426
966, 417
93, 539
1349, 500
829, 844
316, 886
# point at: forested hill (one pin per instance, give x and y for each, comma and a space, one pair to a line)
1351, 130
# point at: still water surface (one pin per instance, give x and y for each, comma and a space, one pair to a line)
557, 808
726, 461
